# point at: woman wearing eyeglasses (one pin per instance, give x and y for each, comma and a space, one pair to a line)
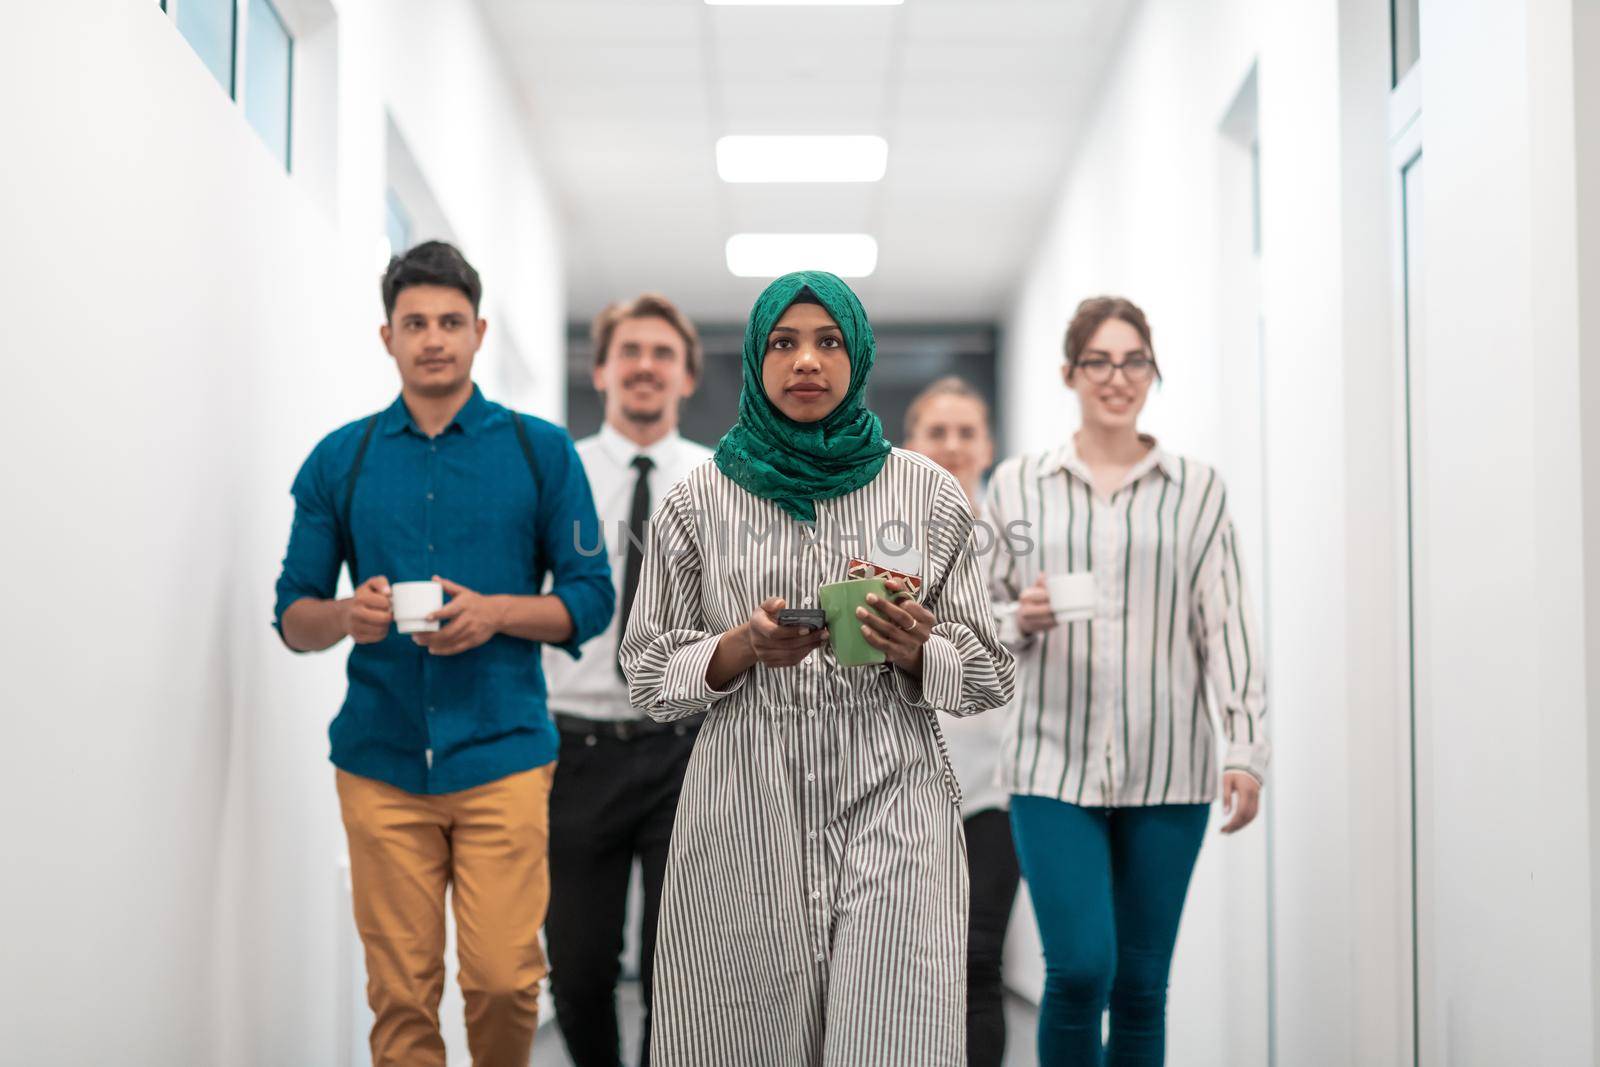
1127, 616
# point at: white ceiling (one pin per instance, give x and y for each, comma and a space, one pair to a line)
980, 101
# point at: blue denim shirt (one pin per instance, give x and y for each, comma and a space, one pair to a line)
464, 506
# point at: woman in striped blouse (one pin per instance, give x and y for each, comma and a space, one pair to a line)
1110, 756
814, 909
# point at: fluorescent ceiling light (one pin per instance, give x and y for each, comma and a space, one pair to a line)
767, 255
803, 3
785, 158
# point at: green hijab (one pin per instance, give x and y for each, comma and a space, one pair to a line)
793, 464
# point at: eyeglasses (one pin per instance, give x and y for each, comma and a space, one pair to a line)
1137, 370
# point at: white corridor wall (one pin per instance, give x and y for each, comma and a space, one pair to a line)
184, 321
1141, 214
1503, 912
1508, 912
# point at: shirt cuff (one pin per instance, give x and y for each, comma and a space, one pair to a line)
939, 688
1009, 632
573, 645
277, 623
1250, 758
684, 689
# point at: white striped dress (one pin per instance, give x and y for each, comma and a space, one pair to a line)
1118, 711
815, 903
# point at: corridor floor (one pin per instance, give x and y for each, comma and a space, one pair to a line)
548, 1050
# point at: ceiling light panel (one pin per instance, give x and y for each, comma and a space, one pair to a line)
802, 158
768, 255
804, 3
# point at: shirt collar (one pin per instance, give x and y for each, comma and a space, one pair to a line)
1065, 458
621, 450
469, 419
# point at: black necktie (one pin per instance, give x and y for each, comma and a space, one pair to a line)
638, 513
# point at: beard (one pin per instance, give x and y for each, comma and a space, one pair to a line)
643, 418
437, 388
438, 383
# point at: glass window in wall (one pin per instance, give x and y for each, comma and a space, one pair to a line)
1406, 41
268, 75
208, 27
1423, 950
397, 223
1255, 197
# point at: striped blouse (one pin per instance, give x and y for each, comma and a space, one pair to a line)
815, 902
1118, 710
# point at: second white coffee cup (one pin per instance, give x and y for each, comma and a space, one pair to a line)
413, 603
1071, 595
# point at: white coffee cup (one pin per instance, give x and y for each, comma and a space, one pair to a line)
1072, 596
413, 603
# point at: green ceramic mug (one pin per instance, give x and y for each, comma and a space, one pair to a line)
839, 602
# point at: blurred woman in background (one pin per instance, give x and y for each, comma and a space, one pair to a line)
949, 423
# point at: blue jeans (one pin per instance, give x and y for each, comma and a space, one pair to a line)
1108, 887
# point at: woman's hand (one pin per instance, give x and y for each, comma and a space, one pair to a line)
1241, 799
779, 646
898, 630
1033, 609
761, 640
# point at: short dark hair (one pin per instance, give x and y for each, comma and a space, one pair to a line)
430, 263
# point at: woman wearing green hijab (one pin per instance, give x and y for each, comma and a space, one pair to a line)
815, 903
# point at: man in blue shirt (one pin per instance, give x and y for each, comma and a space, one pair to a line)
444, 747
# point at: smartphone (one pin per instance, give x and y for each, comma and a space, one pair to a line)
812, 618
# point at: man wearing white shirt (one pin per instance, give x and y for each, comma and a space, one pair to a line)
619, 774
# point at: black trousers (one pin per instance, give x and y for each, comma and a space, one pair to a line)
613, 801
992, 866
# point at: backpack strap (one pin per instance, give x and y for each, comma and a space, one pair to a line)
538, 488
527, 453
347, 541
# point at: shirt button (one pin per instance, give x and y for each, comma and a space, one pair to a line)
430, 548
430, 707
430, 496
812, 835
816, 894
819, 957
811, 713
591, 740
811, 777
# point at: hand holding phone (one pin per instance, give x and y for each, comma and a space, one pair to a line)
774, 642
811, 618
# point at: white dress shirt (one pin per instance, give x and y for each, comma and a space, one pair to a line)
975, 743
589, 686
